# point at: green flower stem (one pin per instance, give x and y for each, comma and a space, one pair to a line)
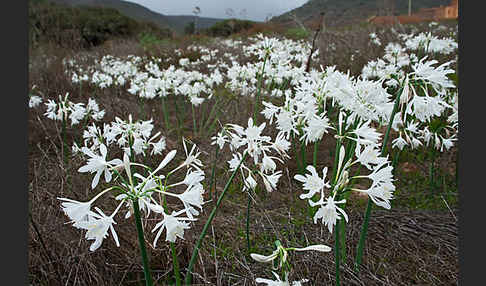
314, 157
183, 107
138, 221
141, 240
194, 120
248, 222
294, 147
213, 178
395, 159
337, 244
165, 113
177, 117
312, 210
214, 109
431, 171
175, 263
141, 104
364, 228
303, 157
64, 142
257, 96
336, 160
337, 250
188, 278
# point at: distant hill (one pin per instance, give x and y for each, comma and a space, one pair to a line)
179, 22
348, 12
141, 13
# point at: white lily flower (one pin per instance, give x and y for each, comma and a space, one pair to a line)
98, 164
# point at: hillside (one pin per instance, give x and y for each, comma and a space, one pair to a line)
141, 13
347, 12
179, 22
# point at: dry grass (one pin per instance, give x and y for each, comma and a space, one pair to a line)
404, 247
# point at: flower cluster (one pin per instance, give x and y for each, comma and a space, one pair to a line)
127, 135
34, 100
260, 148
138, 189
280, 259
65, 109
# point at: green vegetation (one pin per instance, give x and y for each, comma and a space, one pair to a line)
297, 33
228, 27
346, 12
82, 27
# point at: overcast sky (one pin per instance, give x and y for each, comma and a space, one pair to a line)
256, 10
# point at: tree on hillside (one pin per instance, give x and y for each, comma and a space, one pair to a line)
196, 12
230, 12
189, 29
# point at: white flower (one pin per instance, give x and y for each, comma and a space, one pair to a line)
279, 282
380, 194
437, 76
192, 196
78, 211
78, 111
158, 147
269, 111
98, 226
315, 129
138, 146
312, 182
370, 155
196, 100
317, 247
174, 226
328, 211
399, 142
447, 143
367, 135
270, 181
220, 139
235, 161
281, 145
265, 258
98, 164
381, 175
191, 157
250, 182
34, 101
268, 164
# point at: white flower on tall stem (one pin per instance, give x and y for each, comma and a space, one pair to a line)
97, 227
369, 155
192, 196
281, 145
158, 147
220, 139
270, 181
312, 182
99, 165
279, 282
366, 135
329, 212
78, 211
282, 254
174, 225
191, 160
315, 128
34, 101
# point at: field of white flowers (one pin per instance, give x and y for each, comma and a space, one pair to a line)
257, 160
